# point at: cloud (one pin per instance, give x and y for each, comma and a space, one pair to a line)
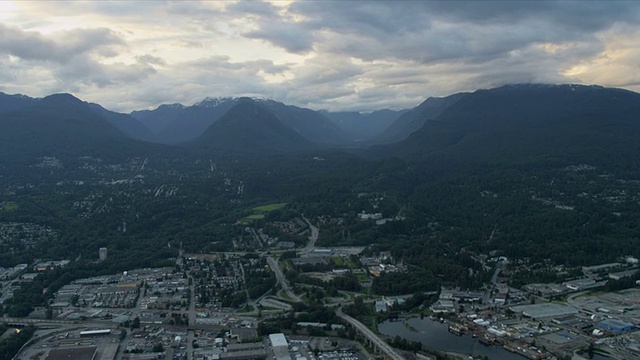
285, 35
58, 47
355, 55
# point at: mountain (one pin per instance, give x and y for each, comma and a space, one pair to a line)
176, 123
10, 103
526, 124
414, 119
311, 124
125, 123
251, 128
364, 126
129, 125
59, 124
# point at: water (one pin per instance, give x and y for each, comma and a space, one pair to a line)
435, 335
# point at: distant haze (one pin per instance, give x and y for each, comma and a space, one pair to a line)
333, 55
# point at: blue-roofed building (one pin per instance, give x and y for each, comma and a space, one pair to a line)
615, 326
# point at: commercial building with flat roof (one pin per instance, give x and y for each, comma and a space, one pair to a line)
79, 353
244, 355
95, 332
245, 347
541, 311
278, 340
280, 346
615, 325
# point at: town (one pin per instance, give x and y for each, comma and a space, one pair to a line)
253, 305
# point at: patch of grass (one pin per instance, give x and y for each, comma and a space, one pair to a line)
268, 208
10, 206
284, 295
337, 261
246, 309
259, 212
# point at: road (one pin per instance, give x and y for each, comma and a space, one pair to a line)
312, 238
375, 339
273, 264
192, 318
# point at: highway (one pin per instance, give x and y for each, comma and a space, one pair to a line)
312, 238
273, 264
375, 339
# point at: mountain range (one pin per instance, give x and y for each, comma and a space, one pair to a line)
514, 123
520, 124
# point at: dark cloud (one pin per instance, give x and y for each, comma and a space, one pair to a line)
583, 16
258, 8
60, 46
339, 55
285, 35
84, 70
438, 30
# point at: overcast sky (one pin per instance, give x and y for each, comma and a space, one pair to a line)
335, 55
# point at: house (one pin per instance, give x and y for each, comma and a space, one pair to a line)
381, 306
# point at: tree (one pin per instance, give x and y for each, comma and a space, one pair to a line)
157, 348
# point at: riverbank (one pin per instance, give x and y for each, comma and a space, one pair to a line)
436, 335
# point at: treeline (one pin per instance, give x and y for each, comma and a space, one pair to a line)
301, 312
346, 282
259, 282
404, 344
10, 346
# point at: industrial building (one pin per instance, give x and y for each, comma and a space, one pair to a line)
280, 346
77, 353
543, 311
615, 326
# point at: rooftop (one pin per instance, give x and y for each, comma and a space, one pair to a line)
278, 340
538, 311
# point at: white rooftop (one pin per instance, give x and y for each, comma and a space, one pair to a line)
278, 340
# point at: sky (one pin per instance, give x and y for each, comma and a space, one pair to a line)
332, 55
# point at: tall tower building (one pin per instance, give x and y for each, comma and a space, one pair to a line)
102, 253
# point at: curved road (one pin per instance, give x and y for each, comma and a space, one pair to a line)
273, 264
312, 238
379, 343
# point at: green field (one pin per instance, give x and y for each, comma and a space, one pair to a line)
259, 212
9, 206
268, 208
336, 260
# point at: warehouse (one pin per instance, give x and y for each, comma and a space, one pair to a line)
544, 311
280, 346
615, 326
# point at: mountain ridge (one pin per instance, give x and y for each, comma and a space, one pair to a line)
526, 123
251, 128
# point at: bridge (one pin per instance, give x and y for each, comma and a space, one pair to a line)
371, 337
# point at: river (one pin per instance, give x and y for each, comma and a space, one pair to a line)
435, 335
